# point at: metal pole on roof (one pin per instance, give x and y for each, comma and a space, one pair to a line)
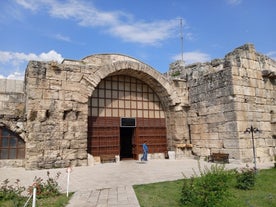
181, 38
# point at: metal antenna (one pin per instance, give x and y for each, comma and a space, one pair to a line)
181, 38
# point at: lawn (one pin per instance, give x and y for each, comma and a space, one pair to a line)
57, 201
166, 194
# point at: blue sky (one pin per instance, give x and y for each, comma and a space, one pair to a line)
148, 30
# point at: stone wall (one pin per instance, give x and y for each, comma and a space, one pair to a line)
212, 116
12, 105
227, 96
12, 109
57, 105
255, 101
208, 106
56, 109
11, 98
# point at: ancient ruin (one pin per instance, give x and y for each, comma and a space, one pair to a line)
104, 106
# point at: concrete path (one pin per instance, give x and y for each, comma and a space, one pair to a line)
110, 184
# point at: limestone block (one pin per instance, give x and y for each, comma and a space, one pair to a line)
55, 84
75, 76
197, 128
201, 151
61, 163
78, 97
90, 160
260, 142
82, 162
270, 142
56, 73
245, 143
215, 118
51, 94
68, 135
262, 152
35, 94
82, 154
73, 163
71, 86
79, 144
65, 144
264, 126
231, 144
230, 126
77, 126
228, 107
242, 125
70, 154
12, 163
211, 143
4, 97
227, 135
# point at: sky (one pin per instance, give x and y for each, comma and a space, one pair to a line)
156, 32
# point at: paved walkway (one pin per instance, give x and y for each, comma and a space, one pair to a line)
110, 184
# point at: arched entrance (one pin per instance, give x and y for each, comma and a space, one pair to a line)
124, 111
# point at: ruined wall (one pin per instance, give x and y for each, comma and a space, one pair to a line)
12, 109
11, 98
227, 96
211, 115
57, 105
56, 109
12, 105
254, 85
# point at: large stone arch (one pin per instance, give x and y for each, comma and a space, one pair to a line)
104, 65
57, 103
115, 64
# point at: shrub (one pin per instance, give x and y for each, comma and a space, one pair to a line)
208, 190
246, 178
46, 188
9, 192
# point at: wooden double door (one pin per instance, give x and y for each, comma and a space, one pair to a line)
107, 137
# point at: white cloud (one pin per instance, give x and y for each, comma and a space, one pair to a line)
234, 2
115, 23
19, 57
31, 5
272, 54
16, 62
146, 33
62, 38
193, 57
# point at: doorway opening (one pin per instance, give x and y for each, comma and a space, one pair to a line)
127, 142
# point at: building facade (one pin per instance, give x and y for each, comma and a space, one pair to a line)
107, 105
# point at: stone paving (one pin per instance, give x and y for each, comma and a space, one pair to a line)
110, 184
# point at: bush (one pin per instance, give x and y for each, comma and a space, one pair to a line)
246, 178
46, 188
208, 190
10, 192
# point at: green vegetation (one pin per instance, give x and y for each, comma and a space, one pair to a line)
262, 194
56, 201
48, 193
209, 189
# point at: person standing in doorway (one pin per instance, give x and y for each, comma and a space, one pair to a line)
145, 152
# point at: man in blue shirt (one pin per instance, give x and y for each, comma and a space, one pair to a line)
145, 152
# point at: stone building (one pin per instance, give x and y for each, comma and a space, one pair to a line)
105, 106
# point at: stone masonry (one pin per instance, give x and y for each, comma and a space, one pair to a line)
208, 106
227, 96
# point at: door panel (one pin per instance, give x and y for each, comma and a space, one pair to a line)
103, 136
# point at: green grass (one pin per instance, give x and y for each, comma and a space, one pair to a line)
169, 193
57, 201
